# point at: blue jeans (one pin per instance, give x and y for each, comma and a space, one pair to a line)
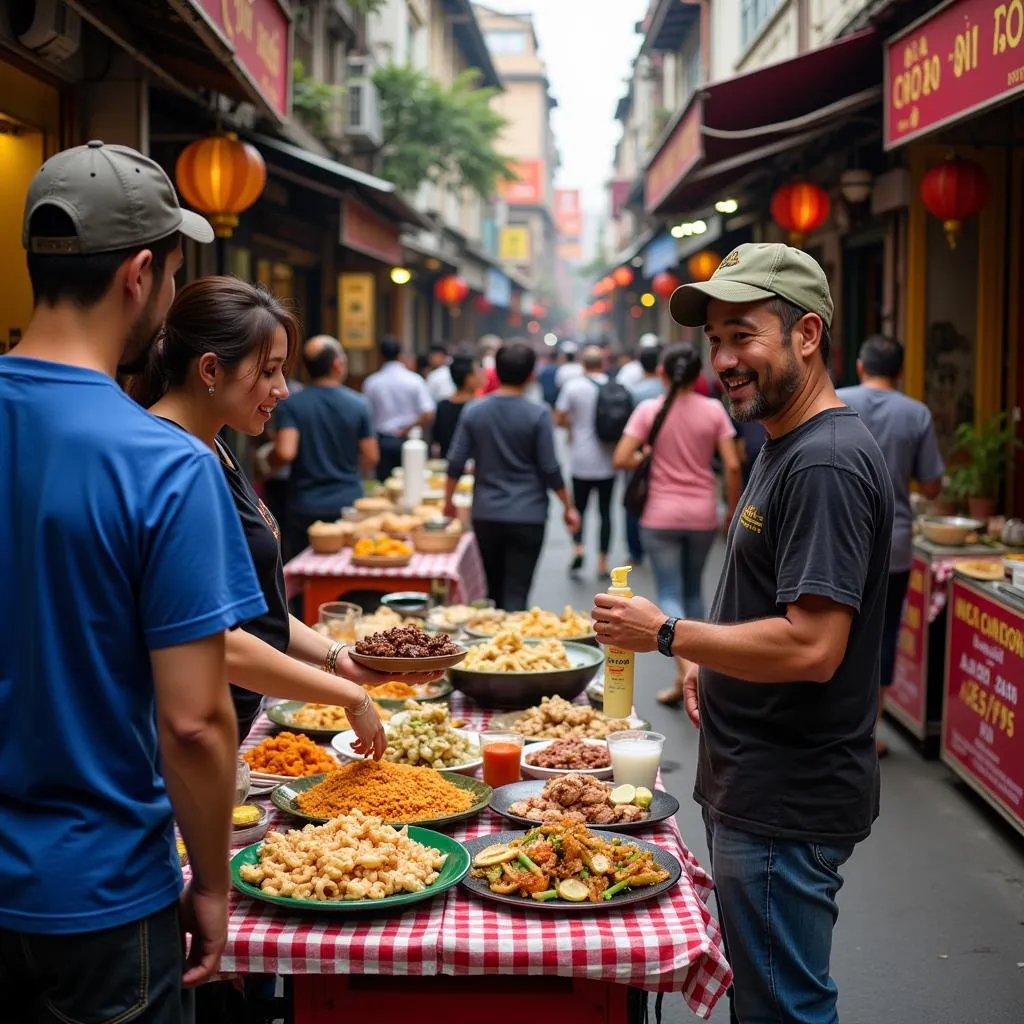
677, 558
633, 539
777, 906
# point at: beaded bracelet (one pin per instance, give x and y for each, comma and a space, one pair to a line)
331, 659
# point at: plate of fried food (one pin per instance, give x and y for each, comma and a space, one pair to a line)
353, 862
396, 693
399, 794
582, 798
567, 868
407, 649
423, 736
555, 718
451, 618
286, 756
320, 721
509, 671
536, 624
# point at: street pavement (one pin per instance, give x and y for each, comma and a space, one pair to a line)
931, 924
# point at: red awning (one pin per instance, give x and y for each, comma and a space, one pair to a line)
751, 117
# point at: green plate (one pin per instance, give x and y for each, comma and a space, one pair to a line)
454, 870
443, 687
283, 798
281, 715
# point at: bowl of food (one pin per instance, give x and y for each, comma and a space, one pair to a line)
404, 649
549, 759
413, 603
509, 671
949, 531
249, 824
536, 624
328, 538
555, 718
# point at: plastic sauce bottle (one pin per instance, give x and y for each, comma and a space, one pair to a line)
618, 664
414, 462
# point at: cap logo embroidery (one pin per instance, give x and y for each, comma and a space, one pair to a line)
730, 261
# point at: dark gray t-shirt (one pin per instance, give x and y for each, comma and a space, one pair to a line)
512, 443
905, 432
797, 760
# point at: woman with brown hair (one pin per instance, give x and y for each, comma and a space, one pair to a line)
221, 363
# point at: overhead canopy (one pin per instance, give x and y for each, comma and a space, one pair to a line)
731, 125
375, 192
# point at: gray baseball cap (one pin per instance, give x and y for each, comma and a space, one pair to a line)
753, 272
116, 198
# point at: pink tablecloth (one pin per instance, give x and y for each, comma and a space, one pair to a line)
671, 944
462, 570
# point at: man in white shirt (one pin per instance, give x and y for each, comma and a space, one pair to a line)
590, 458
439, 379
570, 368
633, 372
399, 400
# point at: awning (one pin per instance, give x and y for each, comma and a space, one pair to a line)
340, 179
670, 24
732, 125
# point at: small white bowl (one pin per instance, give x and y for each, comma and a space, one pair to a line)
342, 743
533, 772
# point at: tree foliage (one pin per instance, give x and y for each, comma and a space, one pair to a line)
313, 101
436, 134
367, 6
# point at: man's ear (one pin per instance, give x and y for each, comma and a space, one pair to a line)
138, 270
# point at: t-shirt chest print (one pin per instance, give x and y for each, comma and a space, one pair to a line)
268, 518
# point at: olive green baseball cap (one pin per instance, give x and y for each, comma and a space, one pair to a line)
753, 272
116, 197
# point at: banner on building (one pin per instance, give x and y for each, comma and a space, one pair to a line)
528, 189
357, 300
514, 246
367, 232
568, 214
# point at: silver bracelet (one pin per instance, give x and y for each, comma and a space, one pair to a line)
361, 709
331, 658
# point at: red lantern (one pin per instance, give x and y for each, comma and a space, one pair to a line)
482, 305
537, 311
605, 286
514, 320
622, 276
953, 191
664, 284
451, 290
636, 312
703, 264
800, 208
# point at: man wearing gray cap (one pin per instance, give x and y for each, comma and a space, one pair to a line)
787, 689
123, 563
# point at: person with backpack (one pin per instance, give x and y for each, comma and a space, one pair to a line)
595, 410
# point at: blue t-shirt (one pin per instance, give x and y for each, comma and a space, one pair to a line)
118, 535
325, 475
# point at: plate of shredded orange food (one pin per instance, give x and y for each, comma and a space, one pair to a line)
396, 693
321, 721
287, 755
399, 794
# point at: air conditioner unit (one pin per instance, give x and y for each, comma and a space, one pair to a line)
51, 29
363, 122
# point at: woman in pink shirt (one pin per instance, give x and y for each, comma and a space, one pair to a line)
680, 519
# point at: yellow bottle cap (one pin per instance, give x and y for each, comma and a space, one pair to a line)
620, 576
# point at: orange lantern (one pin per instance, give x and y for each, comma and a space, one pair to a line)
605, 286
538, 310
451, 290
953, 191
221, 177
665, 283
703, 264
800, 208
622, 276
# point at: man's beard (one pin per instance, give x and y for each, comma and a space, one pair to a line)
772, 395
141, 339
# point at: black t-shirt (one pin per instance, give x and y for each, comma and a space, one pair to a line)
446, 419
797, 760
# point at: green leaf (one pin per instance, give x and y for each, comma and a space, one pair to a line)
312, 101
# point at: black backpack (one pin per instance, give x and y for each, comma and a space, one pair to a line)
611, 414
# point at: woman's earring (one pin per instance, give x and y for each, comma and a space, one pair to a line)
211, 389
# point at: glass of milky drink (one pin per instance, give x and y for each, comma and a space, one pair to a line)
636, 757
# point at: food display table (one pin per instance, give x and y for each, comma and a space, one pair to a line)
982, 737
915, 696
455, 578
499, 963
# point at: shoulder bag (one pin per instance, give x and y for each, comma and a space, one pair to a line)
639, 484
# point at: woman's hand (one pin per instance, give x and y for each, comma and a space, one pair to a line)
349, 669
371, 740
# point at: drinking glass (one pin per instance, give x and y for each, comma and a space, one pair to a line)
502, 753
340, 619
636, 757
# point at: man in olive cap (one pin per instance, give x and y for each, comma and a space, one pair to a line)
787, 686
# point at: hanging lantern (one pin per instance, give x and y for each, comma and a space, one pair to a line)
605, 286
221, 177
482, 304
665, 283
636, 312
514, 320
800, 208
953, 191
703, 264
451, 290
538, 311
622, 276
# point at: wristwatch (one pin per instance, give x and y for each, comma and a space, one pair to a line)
666, 635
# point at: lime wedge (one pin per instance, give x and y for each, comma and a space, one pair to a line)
643, 797
623, 794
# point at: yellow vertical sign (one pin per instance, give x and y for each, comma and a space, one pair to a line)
357, 310
514, 245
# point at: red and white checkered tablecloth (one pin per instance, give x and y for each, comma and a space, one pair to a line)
671, 944
462, 568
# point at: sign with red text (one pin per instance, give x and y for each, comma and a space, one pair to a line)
906, 697
680, 154
528, 188
952, 63
369, 233
981, 738
568, 214
259, 31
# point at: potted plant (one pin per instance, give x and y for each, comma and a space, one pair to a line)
984, 452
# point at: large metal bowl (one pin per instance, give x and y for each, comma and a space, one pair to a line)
949, 531
515, 690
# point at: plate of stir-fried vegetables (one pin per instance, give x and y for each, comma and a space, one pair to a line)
567, 867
